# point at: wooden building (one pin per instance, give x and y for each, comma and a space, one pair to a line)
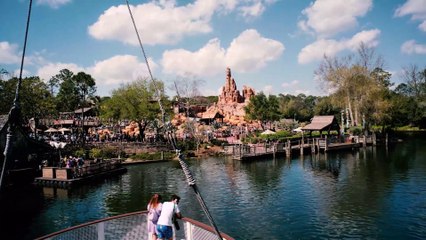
322, 124
210, 117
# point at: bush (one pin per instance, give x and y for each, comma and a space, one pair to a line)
355, 131
278, 136
106, 152
153, 156
187, 145
95, 153
80, 153
218, 142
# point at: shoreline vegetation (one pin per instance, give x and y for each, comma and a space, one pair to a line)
154, 156
203, 153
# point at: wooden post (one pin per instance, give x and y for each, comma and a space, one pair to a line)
326, 144
364, 143
317, 144
273, 149
387, 139
374, 139
288, 148
301, 147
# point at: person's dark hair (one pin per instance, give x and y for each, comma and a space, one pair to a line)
174, 196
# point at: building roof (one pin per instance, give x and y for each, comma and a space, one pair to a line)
80, 110
211, 115
321, 123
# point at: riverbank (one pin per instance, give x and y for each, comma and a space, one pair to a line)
201, 154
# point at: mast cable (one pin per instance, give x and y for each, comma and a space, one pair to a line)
15, 109
185, 168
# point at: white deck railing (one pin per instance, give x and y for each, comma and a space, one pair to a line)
132, 226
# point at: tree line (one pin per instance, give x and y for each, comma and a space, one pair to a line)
359, 88
357, 85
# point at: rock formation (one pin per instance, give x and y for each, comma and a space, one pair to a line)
229, 93
231, 103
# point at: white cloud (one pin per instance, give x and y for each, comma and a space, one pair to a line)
53, 3
303, 91
254, 10
422, 26
25, 73
51, 69
411, 47
248, 52
290, 84
325, 18
268, 90
208, 60
210, 92
321, 47
164, 22
369, 38
120, 69
417, 10
9, 53
158, 22
108, 73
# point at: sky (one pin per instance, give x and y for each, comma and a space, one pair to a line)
273, 46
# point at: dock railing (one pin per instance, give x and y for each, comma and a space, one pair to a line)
132, 226
296, 146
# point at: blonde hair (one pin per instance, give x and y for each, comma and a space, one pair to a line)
155, 200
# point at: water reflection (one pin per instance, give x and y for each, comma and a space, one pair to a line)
374, 193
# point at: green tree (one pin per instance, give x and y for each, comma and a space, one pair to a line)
35, 98
325, 106
135, 102
86, 88
55, 81
262, 108
74, 90
298, 107
414, 87
359, 85
67, 99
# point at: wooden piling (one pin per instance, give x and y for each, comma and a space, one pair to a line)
288, 148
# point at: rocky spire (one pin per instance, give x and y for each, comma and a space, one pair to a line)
229, 93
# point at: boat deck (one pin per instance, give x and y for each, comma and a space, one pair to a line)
133, 226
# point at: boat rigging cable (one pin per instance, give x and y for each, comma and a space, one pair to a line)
168, 130
15, 109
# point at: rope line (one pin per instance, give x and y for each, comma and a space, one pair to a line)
14, 111
169, 133
147, 64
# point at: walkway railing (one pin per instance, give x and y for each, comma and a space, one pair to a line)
131, 226
300, 146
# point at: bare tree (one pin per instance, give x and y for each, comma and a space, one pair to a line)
351, 82
415, 79
187, 91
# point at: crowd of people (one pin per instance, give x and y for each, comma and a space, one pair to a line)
75, 163
162, 217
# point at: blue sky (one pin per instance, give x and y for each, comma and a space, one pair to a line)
273, 46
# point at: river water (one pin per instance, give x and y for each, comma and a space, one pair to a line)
371, 193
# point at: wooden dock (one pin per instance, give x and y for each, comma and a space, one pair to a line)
67, 177
301, 147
